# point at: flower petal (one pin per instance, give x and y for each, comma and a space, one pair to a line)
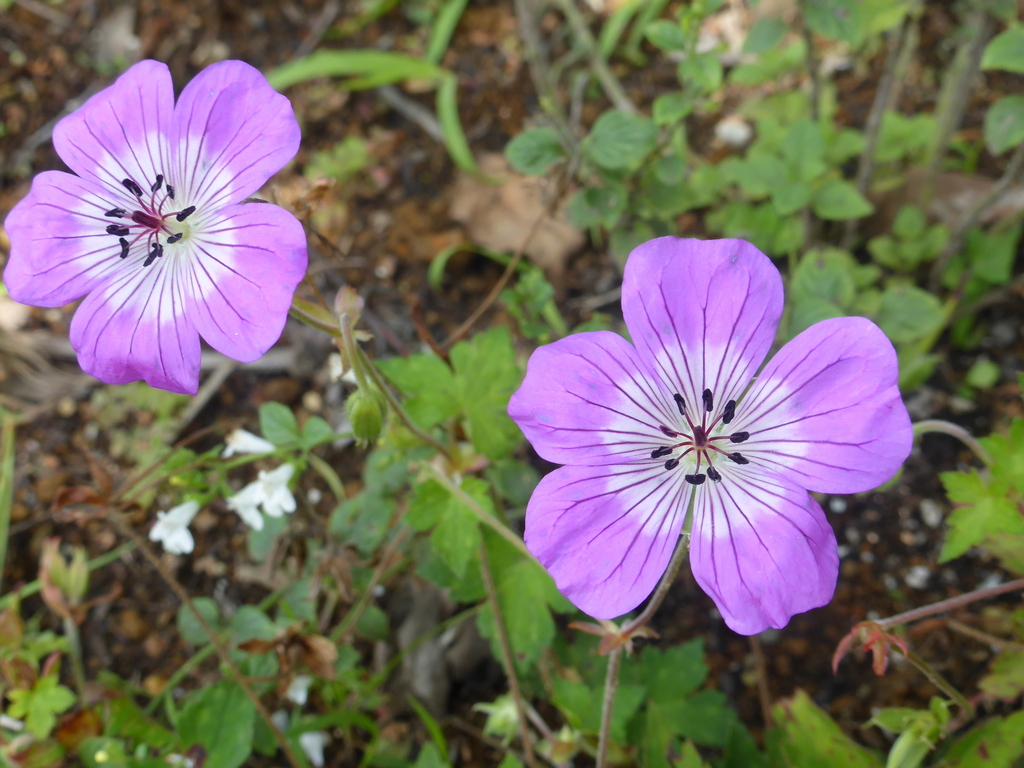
702, 313
244, 266
763, 550
826, 411
121, 132
590, 399
606, 534
136, 327
231, 132
60, 249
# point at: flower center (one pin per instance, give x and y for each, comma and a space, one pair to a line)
149, 220
700, 441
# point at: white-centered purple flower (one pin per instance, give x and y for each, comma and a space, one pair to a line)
678, 418
154, 230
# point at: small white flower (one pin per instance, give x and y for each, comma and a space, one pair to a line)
270, 491
313, 743
298, 691
241, 441
171, 528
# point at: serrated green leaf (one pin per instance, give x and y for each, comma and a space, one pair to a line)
907, 313
428, 384
203, 718
278, 424
996, 744
1004, 124
806, 736
620, 140
582, 706
1005, 678
486, 377
532, 152
39, 706
837, 200
1005, 51
969, 525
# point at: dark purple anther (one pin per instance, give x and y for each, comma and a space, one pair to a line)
158, 251
657, 453
132, 187
186, 213
170, 191
738, 458
709, 401
671, 463
739, 437
694, 479
156, 184
174, 238
667, 432
729, 412
124, 247
680, 403
117, 229
116, 213
714, 474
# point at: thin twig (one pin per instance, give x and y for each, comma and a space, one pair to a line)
984, 637
763, 693
954, 430
811, 64
609, 82
121, 522
561, 185
950, 603
412, 110
955, 97
615, 657
540, 71
872, 127
971, 219
611, 681
507, 657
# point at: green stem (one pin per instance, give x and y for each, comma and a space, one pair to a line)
330, 477
507, 657
939, 682
482, 514
6, 482
74, 639
954, 430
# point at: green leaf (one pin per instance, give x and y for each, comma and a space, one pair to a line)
983, 374
666, 35
373, 624
702, 70
103, 752
790, 198
836, 19
430, 757
1005, 679
451, 126
189, 627
444, 26
428, 384
807, 737
970, 525
1005, 51
837, 200
366, 68
314, 432
996, 744
582, 706
456, 530
486, 376
620, 140
39, 706
250, 623
532, 152
910, 223
1004, 124
764, 35
907, 313
203, 719
278, 424
825, 274
671, 107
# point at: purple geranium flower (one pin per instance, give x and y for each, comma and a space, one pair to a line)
679, 418
153, 230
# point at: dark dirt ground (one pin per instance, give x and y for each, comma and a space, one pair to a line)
379, 238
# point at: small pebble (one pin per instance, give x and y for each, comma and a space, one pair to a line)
843, 551
931, 513
992, 580
918, 576
837, 504
890, 582
852, 534
314, 495
867, 557
733, 131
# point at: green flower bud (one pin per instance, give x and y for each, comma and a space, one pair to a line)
365, 411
